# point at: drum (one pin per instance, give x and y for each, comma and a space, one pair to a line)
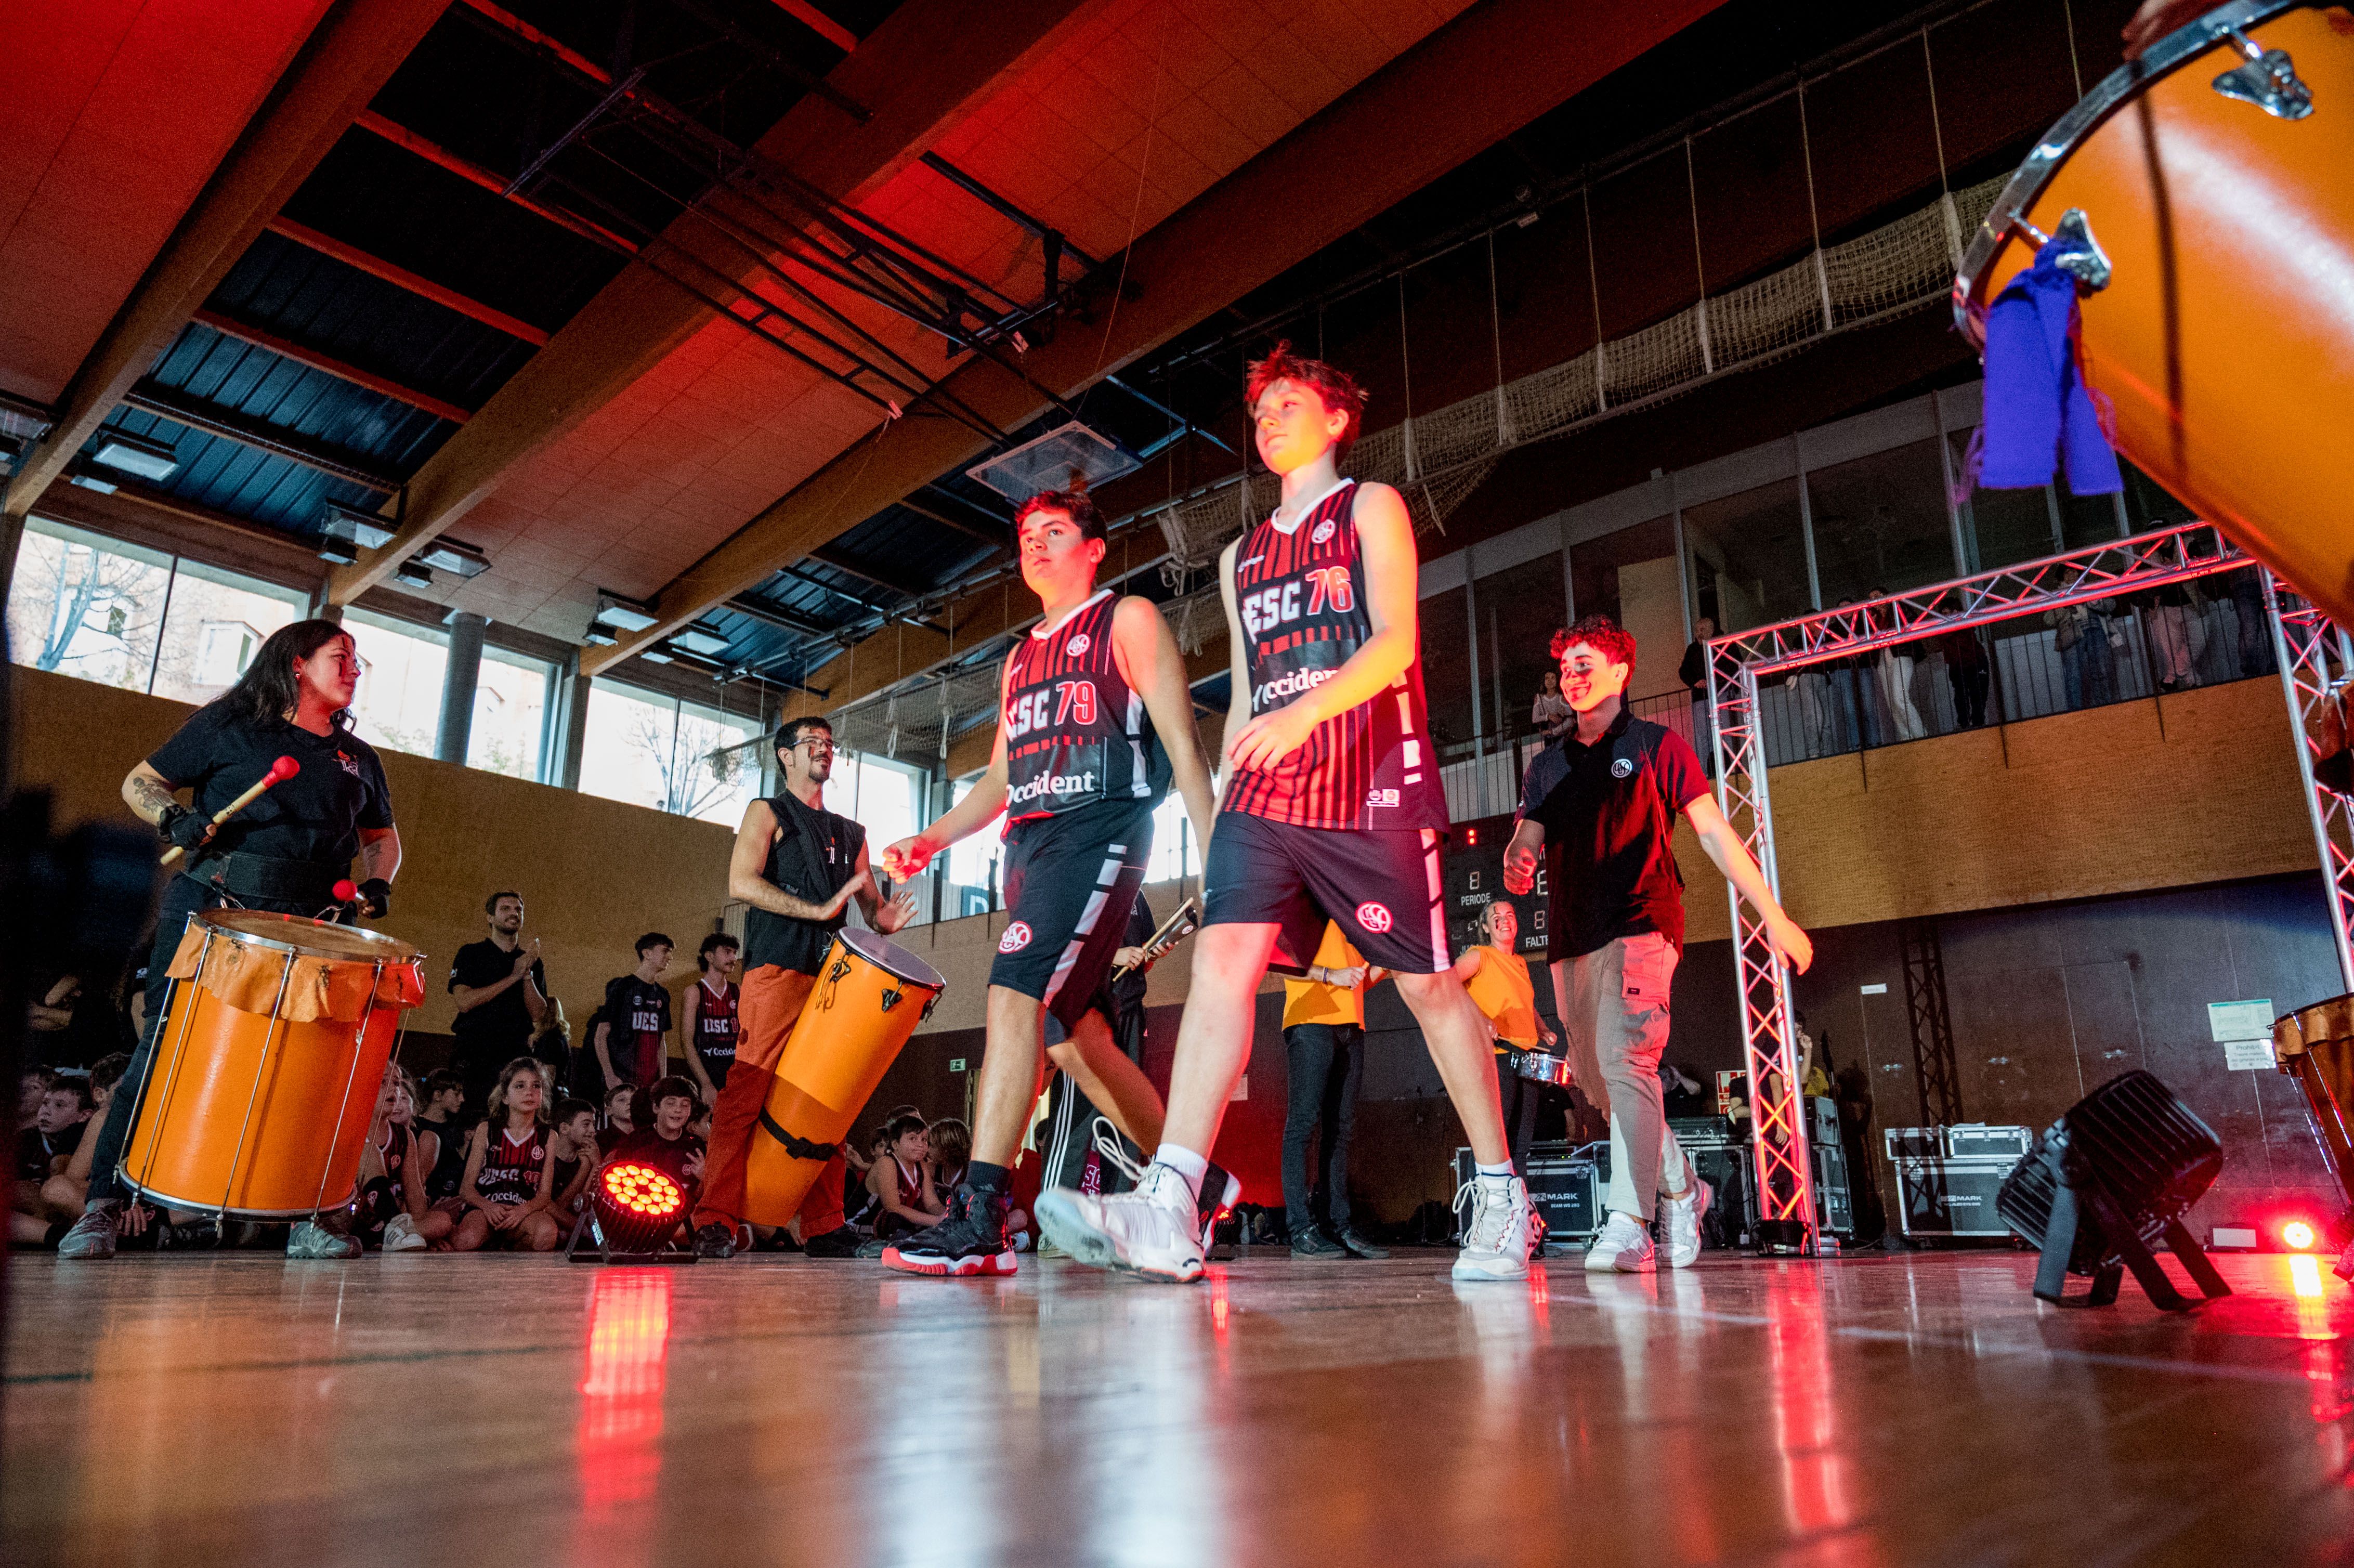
2214, 191
2315, 1046
1542, 1067
273, 1044
869, 995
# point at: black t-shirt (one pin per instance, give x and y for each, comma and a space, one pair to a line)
1609, 813
315, 816
647, 1146
500, 1027
639, 1011
36, 1149
815, 852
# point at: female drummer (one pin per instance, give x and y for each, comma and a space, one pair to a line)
284, 852
510, 1185
1498, 979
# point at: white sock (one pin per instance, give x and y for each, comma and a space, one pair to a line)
1192, 1167
1496, 1172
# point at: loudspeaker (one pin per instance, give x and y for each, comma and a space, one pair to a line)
1564, 1187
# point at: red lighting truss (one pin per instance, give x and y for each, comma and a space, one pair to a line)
2307, 641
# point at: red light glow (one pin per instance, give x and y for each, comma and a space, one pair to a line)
2298, 1235
642, 1190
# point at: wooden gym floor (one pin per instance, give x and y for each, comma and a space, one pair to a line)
434, 1411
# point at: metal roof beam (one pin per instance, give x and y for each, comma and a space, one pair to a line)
180, 408
923, 67
1313, 185
466, 169
401, 276
341, 67
300, 353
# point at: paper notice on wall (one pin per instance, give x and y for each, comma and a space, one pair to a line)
2242, 1055
2228, 1020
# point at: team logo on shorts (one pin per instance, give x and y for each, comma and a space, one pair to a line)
1076, 645
1323, 532
1016, 938
1374, 918
1624, 768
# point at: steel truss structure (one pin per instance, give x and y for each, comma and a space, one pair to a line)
2307, 642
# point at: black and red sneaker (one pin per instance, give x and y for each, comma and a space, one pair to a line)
969, 1242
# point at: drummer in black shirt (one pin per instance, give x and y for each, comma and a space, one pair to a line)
284, 852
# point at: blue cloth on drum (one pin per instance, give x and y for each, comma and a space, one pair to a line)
2039, 413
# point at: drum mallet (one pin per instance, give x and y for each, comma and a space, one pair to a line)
282, 769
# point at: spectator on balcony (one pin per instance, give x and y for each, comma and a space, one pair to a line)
1693, 673
1894, 675
2178, 634
1551, 713
2082, 634
1968, 670
2256, 627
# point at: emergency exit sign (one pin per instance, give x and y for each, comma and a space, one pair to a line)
956, 1063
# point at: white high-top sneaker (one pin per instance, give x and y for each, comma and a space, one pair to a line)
1154, 1231
1683, 1217
1500, 1231
1625, 1245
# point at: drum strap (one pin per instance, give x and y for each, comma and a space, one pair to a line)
243, 875
798, 1148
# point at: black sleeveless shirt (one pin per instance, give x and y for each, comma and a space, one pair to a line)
1076, 734
813, 854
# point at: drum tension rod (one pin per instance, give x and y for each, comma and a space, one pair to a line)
2081, 256
2268, 79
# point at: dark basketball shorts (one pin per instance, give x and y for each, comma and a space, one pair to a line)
1069, 881
1386, 888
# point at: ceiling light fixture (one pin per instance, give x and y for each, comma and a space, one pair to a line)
623, 613
363, 530
341, 552
695, 639
135, 455
416, 572
455, 556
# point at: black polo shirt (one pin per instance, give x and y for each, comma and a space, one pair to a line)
500, 1029
1609, 811
315, 816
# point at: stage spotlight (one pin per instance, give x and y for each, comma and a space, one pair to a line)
2106, 1181
2298, 1235
632, 1210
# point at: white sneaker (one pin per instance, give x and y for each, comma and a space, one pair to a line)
1683, 1217
401, 1234
1154, 1232
1625, 1245
1500, 1231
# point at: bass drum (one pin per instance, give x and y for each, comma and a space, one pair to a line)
272, 1048
2219, 191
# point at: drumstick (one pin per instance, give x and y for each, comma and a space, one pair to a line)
282, 769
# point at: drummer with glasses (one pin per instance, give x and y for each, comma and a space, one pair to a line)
1503, 989
282, 853
797, 865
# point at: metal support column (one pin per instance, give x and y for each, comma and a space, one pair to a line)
572, 725
2307, 642
1932, 1023
460, 676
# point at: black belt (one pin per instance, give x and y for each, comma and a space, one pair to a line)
241, 873
798, 1148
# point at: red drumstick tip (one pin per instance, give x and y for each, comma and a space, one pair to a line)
346, 890
285, 767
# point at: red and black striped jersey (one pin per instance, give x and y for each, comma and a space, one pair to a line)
1299, 590
1074, 732
511, 1166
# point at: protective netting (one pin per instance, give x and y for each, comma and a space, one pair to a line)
1436, 459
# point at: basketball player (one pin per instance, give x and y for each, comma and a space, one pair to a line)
797, 865
711, 1021
1332, 812
1095, 721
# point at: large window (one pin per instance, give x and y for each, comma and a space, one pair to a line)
880, 795
1881, 523
1176, 852
972, 864
673, 755
1632, 576
86, 606
1519, 609
509, 714
215, 625
1445, 643
1749, 561
399, 701
2001, 527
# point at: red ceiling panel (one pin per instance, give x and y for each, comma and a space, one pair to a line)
116, 113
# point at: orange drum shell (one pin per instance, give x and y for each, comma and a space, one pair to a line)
184, 1144
840, 1047
2229, 352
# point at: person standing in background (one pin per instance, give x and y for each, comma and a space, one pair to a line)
1693, 673
632, 1039
1498, 979
711, 1004
1550, 714
1967, 670
501, 993
1324, 1057
1895, 672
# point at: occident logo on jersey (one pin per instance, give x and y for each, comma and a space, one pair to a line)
1047, 784
1374, 918
1283, 688
1076, 645
1381, 798
1016, 938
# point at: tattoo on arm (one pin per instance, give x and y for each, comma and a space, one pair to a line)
151, 798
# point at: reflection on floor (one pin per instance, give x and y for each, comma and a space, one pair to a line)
437, 1411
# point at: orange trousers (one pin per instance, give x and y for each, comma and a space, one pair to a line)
770, 1003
